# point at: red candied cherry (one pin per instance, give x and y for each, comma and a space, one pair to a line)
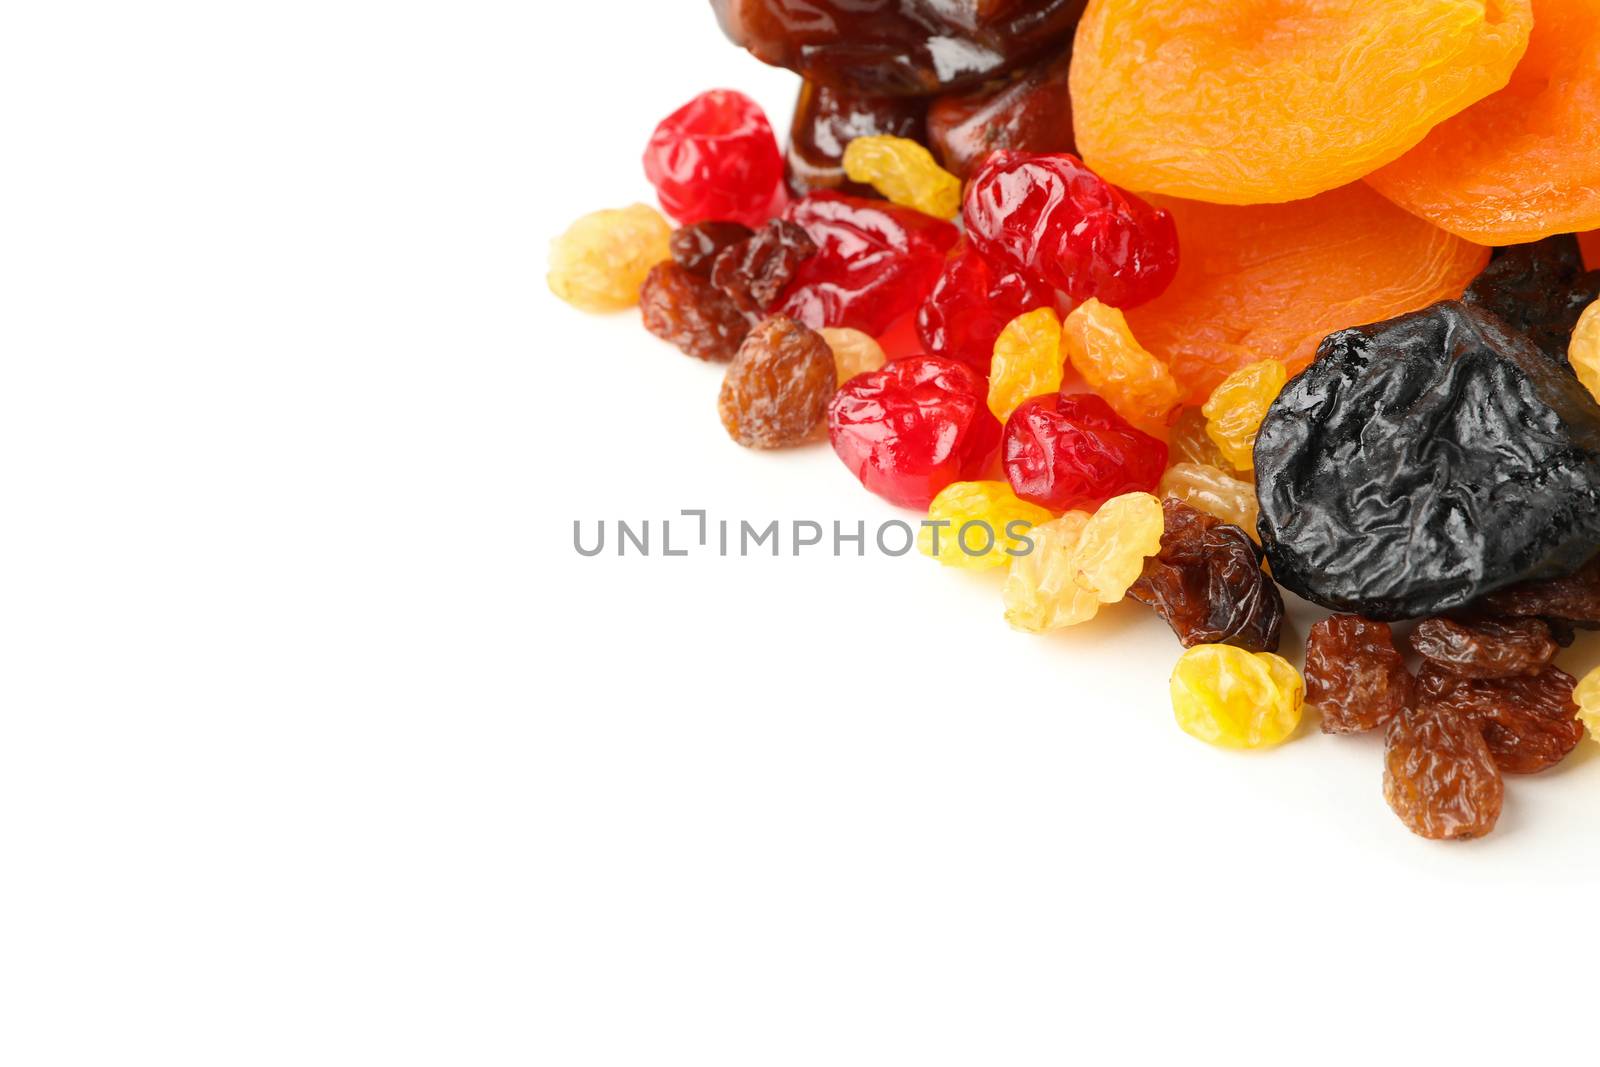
912, 428
1058, 222
1065, 452
970, 304
715, 158
875, 261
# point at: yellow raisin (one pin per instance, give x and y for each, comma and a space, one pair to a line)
601, 261
854, 352
905, 173
1583, 351
1587, 697
1027, 361
1101, 348
1115, 543
1215, 492
1040, 593
1228, 697
1191, 444
1237, 406
977, 531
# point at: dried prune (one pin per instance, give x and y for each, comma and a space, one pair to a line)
1485, 648
1029, 111
1355, 675
1424, 462
686, 310
1232, 698
1207, 583
912, 428
827, 119
904, 173
777, 390
1530, 724
756, 271
695, 248
1055, 221
874, 262
1439, 776
1073, 451
1538, 289
970, 304
908, 47
715, 158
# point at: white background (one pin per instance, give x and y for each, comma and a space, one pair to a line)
321, 745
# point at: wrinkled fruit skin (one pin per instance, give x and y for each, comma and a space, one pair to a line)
1112, 362
984, 527
777, 390
904, 173
853, 352
1207, 583
1027, 361
602, 259
874, 261
1571, 600
1028, 112
1116, 541
1587, 697
1583, 351
1438, 775
695, 248
756, 271
715, 158
1064, 452
827, 119
1214, 491
1539, 290
686, 310
1237, 406
1191, 444
1487, 648
912, 428
907, 48
1529, 724
970, 303
1422, 463
1054, 220
1041, 592
1355, 675
1231, 698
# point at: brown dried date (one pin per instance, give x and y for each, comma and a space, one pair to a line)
686, 310
755, 271
1355, 675
1031, 111
1485, 648
776, 392
826, 119
1529, 724
695, 248
1439, 776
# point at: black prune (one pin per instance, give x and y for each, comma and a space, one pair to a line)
826, 119
1424, 462
1539, 289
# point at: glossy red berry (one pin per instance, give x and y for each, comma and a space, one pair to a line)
1055, 220
912, 428
970, 304
1065, 452
875, 261
716, 158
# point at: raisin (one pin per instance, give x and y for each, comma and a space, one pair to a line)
1027, 361
1041, 592
716, 158
1207, 583
1355, 675
1573, 598
1530, 724
1054, 220
1586, 696
1237, 406
1438, 774
756, 271
1422, 463
686, 310
1213, 491
970, 304
1073, 451
912, 428
874, 262
905, 173
601, 261
1191, 443
695, 248
1029, 111
1231, 698
1487, 648
777, 390
978, 525
1537, 289
1102, 349
853, 352
1583, 350
827, 119
1115, 543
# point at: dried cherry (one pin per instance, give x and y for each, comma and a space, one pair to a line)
826, 119
1529, 724
756, 271
686, 310
1439, 775
1485, 648
970, 303
1065, 452
777, 390
716, 158
1029, 111
1356, 675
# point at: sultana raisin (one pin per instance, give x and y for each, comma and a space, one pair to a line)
905, 173
695, 248
777, 390
1116, 541
1102, 349
978, 525
1041, 592
1587, 696
756, 271
1355, 675
686, 310
1530, 724
716, 158
601, 261
1027, 361
1583, 351
1191, 443
853, 352
1438, 774
1232, 698
1237, 406
1485, 648
1074, 451
1213, 491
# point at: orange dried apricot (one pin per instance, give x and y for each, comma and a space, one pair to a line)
1263, 101
1523, 163
1271, 281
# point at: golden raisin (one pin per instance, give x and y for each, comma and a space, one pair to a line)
1583, 351
1101, 348
1237, 406
1215, 492
1191, 443
1228, 697
978, 525
1115, 543
1027, 361
905, 173
1040, 593
854, 352
1587, 697
601, 261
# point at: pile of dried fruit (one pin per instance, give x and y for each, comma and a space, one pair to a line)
1373, 367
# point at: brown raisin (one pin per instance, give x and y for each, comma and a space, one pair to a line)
1573, 599
1207, 583
756, 271
688, 311
1438, 774
1485, 648
776, 393
1529, 724
695, 248
1355, 675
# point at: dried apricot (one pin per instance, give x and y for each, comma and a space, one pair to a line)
978, 525
1525, 162
1237, 406
1102, 349
1271, 282
1231, 698
1264, 101
601, 261
1040, 592
1027, 361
